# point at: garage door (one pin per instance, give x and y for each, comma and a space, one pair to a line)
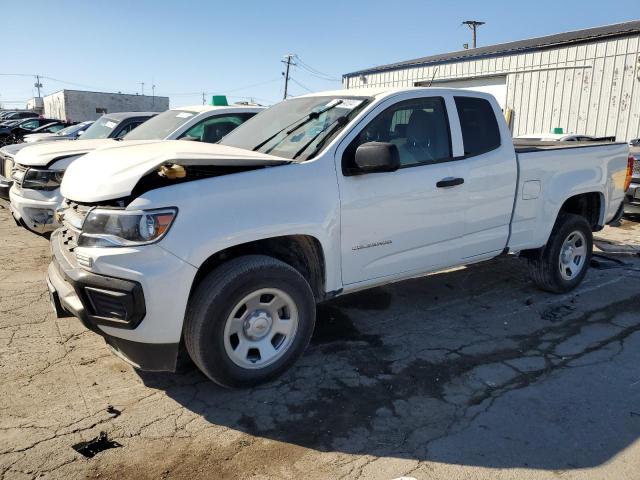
496, 86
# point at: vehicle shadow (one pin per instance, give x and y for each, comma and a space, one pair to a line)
469, 367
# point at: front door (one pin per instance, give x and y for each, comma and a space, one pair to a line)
395, 223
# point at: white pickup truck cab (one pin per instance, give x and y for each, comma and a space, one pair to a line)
228, 247
39, 169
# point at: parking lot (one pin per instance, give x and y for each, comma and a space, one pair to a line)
471, 373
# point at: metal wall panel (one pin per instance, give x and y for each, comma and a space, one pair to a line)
591, 88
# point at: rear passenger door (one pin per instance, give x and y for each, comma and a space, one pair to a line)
489, 170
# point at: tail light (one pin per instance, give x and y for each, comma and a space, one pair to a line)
627, 180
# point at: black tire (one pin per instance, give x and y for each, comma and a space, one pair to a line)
219, 293
544, 266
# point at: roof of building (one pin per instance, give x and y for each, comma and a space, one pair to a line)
104, 93
548, 41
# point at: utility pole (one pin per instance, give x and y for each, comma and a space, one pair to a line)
38, 85
204, 100
142, 85
473, 25
288, 61
153, 94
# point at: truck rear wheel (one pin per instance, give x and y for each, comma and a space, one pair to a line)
249, 320
562, 263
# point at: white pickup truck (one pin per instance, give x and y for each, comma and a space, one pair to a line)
228, 247
37, 170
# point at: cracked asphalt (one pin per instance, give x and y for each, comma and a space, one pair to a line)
465, 374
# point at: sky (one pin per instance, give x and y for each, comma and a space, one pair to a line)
236, 47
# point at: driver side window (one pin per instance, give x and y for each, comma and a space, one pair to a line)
419, 128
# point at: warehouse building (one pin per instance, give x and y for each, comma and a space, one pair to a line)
585, 82
80, 106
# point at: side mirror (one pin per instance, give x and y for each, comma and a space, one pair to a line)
375, 157
80, 133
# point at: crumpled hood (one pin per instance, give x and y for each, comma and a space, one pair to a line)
109, 174
40, 155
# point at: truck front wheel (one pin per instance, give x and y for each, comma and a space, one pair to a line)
562, 263
249, 320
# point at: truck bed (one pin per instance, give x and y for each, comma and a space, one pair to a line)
524, 145
551, 172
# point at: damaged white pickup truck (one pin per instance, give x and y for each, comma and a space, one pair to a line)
226, 248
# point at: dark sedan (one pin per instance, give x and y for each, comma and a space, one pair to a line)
9, 134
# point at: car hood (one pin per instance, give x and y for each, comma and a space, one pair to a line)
109, 174
40, 155
38, 137
13, 149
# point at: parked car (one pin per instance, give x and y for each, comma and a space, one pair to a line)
39, 169
71, 132
228, 247
8, 134
34, 201
18, 115
4, 113
18, 134
632, 196
6, 123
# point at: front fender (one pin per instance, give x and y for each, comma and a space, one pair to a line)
221, 212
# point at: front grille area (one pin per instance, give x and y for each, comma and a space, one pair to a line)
73, 217
6, 165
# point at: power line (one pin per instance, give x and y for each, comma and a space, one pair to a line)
212, 92
315, 72
300, 85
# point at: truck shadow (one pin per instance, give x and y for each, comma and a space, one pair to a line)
470, 367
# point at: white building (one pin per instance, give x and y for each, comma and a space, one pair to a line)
586, 81
80, 106
35, 104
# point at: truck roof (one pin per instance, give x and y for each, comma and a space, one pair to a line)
119, 116
380, 92
208, 108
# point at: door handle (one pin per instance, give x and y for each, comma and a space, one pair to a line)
449, 182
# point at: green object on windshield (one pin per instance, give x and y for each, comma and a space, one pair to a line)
219, 101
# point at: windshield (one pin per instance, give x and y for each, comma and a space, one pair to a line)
160, 126
101, 128
297, 128
69, 130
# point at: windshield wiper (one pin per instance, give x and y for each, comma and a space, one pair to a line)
337, 123
303, 121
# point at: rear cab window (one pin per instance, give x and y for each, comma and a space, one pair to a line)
480, 130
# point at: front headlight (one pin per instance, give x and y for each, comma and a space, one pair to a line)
41, 179
122, 228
